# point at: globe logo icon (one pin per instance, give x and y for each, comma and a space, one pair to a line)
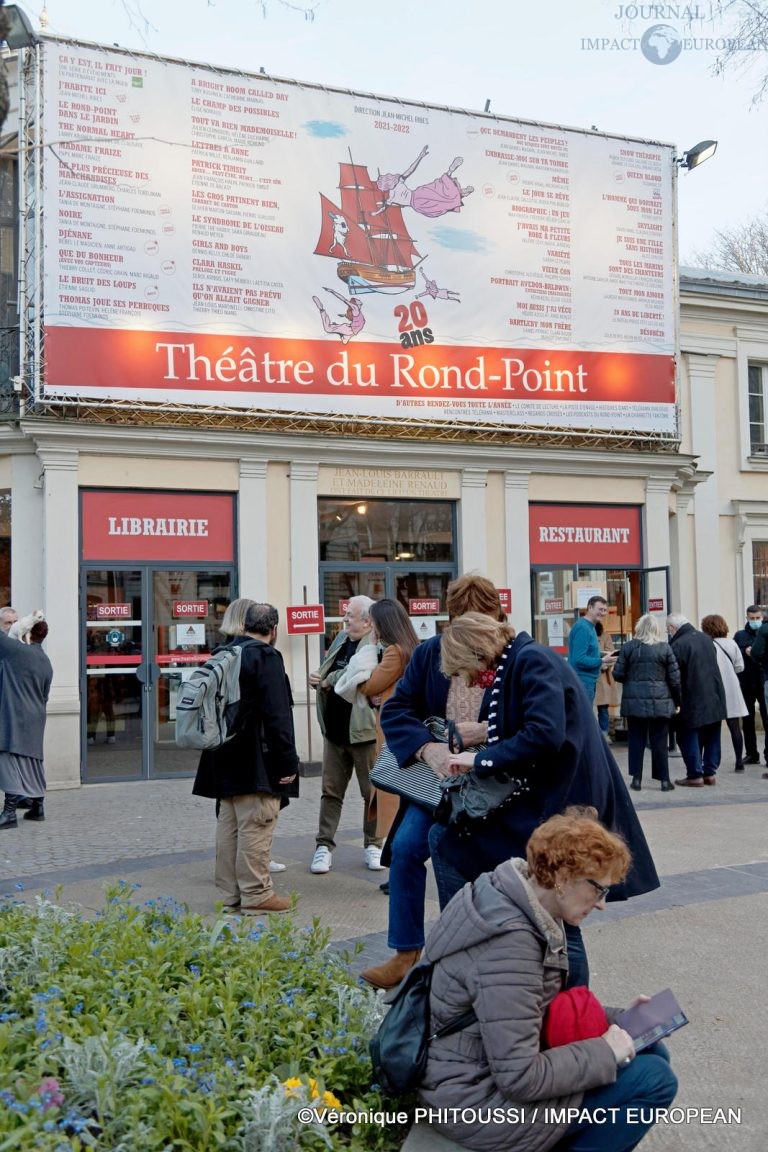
661, 44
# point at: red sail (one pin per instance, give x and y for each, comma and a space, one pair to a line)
356, 241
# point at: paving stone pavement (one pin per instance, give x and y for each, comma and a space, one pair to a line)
704, 933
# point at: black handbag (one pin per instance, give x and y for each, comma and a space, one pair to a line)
469, 799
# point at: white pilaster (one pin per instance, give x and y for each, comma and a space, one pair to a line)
26, 534
60, 592
472, 527
305, 562
657, 550
518, 551
252, 528
684, 592
701, 377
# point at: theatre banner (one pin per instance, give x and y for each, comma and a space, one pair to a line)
219, 239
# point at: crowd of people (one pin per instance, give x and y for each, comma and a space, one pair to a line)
533, 830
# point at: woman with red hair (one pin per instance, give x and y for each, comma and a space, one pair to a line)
507, 1081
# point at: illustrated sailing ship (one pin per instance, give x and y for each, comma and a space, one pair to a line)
380, 256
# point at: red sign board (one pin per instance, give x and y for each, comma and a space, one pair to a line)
305, 619
423, 607
343, 605
170, 526
656, 605
601, 535
113, 611
553, 605
186, 609
505, 596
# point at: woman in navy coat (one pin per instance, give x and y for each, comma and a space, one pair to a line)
541, 729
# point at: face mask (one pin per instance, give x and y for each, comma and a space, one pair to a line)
754, 624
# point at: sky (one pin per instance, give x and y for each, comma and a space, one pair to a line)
574, 63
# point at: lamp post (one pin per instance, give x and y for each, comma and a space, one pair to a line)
698, 154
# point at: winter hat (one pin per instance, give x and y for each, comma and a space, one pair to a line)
573, 1015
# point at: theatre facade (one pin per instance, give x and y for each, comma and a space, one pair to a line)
232, 382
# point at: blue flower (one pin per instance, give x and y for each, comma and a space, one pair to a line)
194, 969
19, 887
194, 1047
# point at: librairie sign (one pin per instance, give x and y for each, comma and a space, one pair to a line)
172, 526
319, 251
305, 619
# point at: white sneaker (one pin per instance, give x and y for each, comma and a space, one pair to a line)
373, 858
275, 867
322, 860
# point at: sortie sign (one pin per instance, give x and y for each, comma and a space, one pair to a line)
305, 619
423, 607
190, 609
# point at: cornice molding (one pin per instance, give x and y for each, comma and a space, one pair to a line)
253, 467
194, 444
304, 470
704, 344
474, 477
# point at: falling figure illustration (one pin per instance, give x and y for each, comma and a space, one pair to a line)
353, 320
431, 289
443, 195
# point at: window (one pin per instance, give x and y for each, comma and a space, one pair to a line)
760, 570
758, 408
376, 531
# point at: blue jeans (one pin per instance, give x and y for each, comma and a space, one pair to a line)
644, 1085
700, 749
449, 881
604, 717
408, 880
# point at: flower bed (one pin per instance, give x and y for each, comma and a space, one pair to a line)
148, 1029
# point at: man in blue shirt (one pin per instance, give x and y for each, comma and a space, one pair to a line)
584, 653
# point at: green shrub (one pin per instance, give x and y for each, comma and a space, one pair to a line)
148, 1029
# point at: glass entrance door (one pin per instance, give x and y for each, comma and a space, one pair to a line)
114, 654
145, 630
187, 608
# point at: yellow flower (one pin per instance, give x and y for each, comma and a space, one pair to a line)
295, 1083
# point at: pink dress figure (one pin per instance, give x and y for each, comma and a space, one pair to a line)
353, 320
431, 289
443, 195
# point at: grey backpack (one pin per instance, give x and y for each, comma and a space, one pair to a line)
209, 701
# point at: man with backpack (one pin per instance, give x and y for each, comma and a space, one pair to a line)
254, 770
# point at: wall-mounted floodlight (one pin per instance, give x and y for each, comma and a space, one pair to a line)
698, 154
21, 34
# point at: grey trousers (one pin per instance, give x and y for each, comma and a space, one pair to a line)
339, 762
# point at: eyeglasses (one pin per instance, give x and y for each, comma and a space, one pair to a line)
601, 889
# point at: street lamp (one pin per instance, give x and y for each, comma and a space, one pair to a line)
698, 154
20, 34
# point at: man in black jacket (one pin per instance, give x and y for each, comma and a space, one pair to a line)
752, 682
254, 773
703, 702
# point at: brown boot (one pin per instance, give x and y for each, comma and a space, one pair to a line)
390, 974
271, 904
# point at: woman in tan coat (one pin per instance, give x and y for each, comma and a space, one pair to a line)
607, 690
392, 629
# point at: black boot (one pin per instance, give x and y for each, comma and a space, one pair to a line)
8, 815
636, 783
24, 802
36, 811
